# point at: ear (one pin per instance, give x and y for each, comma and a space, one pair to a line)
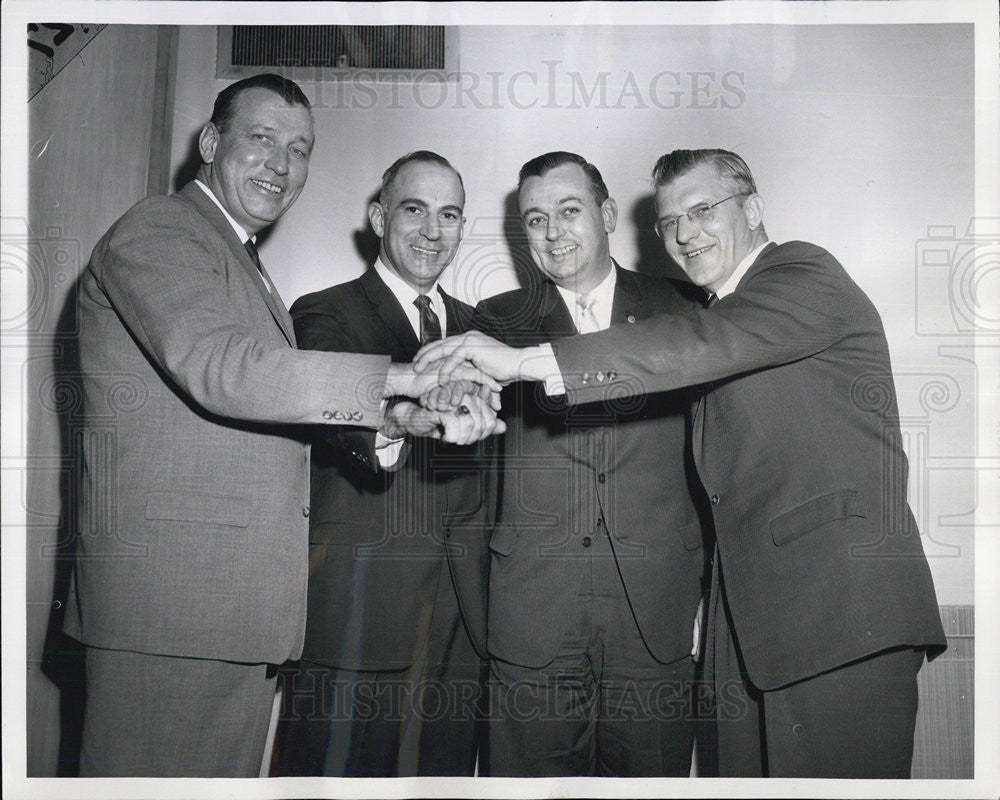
376, 216
609, 210
208, 141
753, 209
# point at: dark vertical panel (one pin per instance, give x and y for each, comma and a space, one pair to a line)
164, 81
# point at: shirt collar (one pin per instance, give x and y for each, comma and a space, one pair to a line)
244, 236
402, 291
604, 291
741, 269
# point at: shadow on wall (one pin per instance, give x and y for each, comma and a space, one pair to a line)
652, 259
62, 656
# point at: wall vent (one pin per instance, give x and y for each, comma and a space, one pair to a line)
333, 52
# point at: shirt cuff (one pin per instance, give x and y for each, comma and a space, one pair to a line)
387, 450
549, 367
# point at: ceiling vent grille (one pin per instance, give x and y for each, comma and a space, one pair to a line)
330, 52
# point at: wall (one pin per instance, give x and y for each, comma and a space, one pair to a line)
858, 140
91, 157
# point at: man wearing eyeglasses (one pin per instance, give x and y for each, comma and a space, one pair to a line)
822, 606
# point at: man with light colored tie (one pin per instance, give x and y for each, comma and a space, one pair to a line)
392, 673
597, 559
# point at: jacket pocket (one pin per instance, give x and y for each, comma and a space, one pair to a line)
213, 509
502, 540
691, 535
809, 516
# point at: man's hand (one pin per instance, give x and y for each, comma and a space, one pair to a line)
404, 381
473, 419
449, 395
448, 357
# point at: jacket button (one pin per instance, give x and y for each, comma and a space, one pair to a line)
327, 415
715, 499
600, 522
305, 511
797, 729
602, 478
447, 533
586, 541
585, 378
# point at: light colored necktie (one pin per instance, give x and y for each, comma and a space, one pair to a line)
588, 319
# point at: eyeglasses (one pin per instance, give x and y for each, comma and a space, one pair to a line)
699, 215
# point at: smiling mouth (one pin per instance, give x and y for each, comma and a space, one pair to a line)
425, 252
561, 251
699, 251
266, 186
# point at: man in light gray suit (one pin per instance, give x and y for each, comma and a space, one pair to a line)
190, 580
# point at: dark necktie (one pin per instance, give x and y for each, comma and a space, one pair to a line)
711, 300
430, 325
251, 249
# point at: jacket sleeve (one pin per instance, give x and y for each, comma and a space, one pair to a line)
167, 274
316, 329
781, 314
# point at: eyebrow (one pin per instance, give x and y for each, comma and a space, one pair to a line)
535, 209
416, 201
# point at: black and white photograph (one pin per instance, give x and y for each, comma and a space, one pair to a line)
576, 399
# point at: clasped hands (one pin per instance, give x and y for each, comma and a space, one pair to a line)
456, 383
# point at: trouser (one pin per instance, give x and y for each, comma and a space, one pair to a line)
855, 721
162, 716
423, 720
603, 706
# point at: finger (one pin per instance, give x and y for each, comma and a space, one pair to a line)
490, 396
464, 370
487, 416
437, 398
435, 351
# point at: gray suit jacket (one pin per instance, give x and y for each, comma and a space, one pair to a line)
194, 493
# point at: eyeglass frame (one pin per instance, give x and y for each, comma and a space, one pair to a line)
704, 207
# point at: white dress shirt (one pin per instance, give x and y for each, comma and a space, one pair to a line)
388, 449
244, 236
604, 297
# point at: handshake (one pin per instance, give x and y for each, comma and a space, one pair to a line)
456, 383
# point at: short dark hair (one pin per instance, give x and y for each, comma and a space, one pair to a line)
425, 156
225, 101
732, 169
539, 165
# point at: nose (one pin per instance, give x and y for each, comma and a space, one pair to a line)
553, 230
277, 161
431, 229
686, 230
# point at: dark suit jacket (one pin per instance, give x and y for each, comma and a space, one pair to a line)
800, 453
570, 471
379, 539
194, 490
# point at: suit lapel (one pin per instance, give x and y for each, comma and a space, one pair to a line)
762, 262
628, 304
404, 342
554, 318
203, 205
